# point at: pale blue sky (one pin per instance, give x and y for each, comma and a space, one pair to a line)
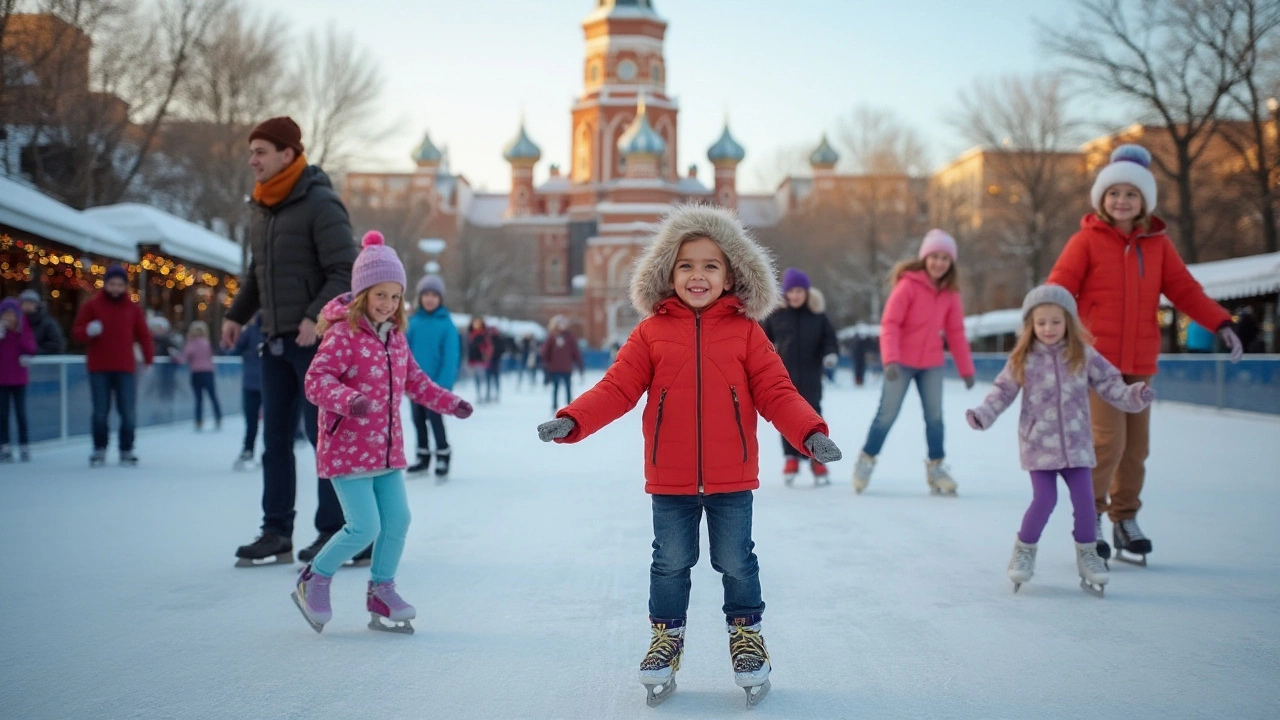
785, 71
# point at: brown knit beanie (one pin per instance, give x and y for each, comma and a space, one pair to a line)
282, 131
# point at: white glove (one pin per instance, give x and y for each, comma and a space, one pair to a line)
831, 361
1233, 343
93, 329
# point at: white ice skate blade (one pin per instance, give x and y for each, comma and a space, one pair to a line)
285, 558
1140, 560
318, 627
1016, 587
1097, 591
941, 492
756, 693
657, 693
403, 627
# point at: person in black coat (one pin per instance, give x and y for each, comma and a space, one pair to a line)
49, 337
806, 341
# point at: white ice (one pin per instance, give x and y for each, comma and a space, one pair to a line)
529, 570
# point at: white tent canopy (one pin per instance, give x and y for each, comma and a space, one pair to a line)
146, 225
27, 209
1238, 277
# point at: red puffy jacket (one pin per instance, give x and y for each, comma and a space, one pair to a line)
707, 375
123, 324
1117, 282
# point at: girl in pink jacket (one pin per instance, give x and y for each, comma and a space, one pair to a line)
197, 355
360, 373
924, 304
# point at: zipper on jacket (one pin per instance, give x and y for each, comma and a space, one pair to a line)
697, 364
391, 396
657, 425
1062, 418
271, 293
1142, 269
737, 415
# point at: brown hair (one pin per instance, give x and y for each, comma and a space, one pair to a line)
359, 308
949, 281
1076, 337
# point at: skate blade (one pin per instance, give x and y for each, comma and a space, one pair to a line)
318, 627
756, 693
285, 558
402, 627
1097, 591
943, 493
657, 694
1016, 587
1140, 560
788, 479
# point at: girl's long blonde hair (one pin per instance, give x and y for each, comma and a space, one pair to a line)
1077, 338
359, 308
949, 281
198, 329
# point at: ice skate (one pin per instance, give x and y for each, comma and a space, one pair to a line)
821, 476
364, 558
659, 666
98, 458
1093, 573
862, 472
128, 459
422, 465
939, 478
750, 658
1128, 538
244, 461
24, 453
1022, 566
308, 553
268, 549
385, 604
1104, 550
6, 455
442, 465
790, 469
312, 598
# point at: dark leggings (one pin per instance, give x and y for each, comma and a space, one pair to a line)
18, 394
202, 382
421, 416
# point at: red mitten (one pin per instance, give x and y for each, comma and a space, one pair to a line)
360, 406
463, 411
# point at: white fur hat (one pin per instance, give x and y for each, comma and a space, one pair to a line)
1129, 164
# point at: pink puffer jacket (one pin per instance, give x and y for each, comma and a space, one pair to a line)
915, 317
357, 363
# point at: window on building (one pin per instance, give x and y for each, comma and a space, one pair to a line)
655, 72
595, 72
555, 281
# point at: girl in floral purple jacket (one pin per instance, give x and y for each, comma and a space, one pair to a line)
1056, 367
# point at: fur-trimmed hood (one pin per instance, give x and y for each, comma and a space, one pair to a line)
755, 278
817, 301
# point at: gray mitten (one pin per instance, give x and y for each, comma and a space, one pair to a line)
822, 448
555, 429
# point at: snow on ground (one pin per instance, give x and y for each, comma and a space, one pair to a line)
530, 573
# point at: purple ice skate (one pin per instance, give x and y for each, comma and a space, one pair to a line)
312, 598
383, 601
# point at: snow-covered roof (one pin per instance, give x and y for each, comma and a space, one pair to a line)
487, 209
991, 324
862, 328
758, 210
514, 328
27, 209
555, 184
1238, 277
174, 236
691, 186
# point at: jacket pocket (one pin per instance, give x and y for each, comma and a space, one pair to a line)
657, 426
333, 427
737, 417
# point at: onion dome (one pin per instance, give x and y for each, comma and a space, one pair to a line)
824, 156
427, 152
640, 138
521, 149
726, 149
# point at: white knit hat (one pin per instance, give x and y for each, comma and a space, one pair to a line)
1129, 164
1048, 295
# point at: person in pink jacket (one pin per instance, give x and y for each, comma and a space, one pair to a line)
358, 378
17, 345
924, 304
197, 355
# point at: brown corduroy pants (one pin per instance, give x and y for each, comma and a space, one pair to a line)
1121, 441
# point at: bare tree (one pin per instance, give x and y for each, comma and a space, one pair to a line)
784, 162
491, 271
340, 85
1145, 52
1023, 127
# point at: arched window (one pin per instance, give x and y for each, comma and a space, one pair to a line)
655, 72
555, 281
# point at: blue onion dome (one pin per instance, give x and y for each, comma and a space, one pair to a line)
824, 155
638, 4
427, 152
1132, 153
522, 148
640, 138
726, 148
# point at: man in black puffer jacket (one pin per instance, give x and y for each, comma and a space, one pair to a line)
302, 250
805, 339
49, 337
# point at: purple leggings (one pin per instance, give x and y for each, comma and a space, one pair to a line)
1044, 487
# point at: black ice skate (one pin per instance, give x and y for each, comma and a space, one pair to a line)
243, 462
308, 553
6, 455
364, 558
750, 658
1128, 538
659, 666
442, 464
424, 462
24, 453
128, 459
98, 458
268, 549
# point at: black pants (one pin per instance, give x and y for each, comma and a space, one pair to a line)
557, 379
283, 402
18, 395
251, 401
787, 448
421, 416
202, 383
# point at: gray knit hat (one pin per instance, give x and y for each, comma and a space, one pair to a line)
1052, 295
431, 283
29, 295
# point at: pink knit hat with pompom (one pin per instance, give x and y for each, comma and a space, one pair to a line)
377, 263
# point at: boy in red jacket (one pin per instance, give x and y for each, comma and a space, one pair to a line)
109, 324
707, 367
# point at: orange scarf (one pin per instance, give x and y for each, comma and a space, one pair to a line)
274, 191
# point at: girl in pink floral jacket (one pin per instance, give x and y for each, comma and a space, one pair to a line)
358, 377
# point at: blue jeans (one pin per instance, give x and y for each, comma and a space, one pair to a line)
377, 511
124, 386
929, 383
556, 379
676, 520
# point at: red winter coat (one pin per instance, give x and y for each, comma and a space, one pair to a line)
357, 363
123, 324
560, 353
915, 317
1117, 282
706, 376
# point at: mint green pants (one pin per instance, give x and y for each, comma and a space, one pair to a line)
377, 511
